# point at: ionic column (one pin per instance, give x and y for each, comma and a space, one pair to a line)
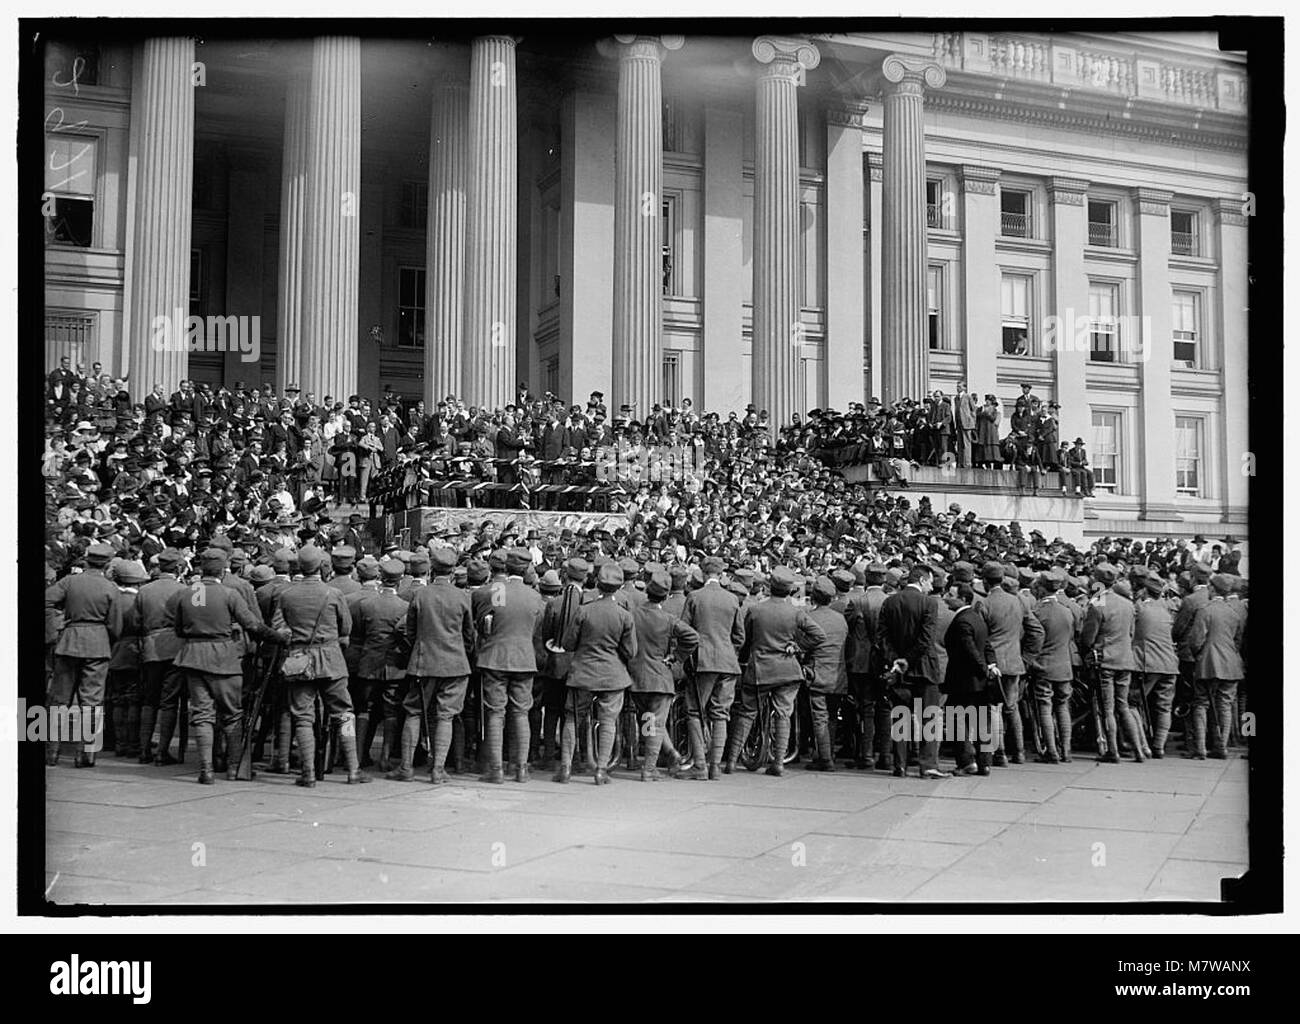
332, 206
638, 224
158, 256
445, 252
906, 370
488, 343
293, 186
778, 333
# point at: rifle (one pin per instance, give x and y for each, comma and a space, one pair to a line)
244, 770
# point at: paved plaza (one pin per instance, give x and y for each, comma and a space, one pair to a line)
1166, 830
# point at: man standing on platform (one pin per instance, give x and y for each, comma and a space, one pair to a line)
965, 412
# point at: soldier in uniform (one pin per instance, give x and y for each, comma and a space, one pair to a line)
1154, 658
830, 679
507, 661
714, 613
378, 637
161, 681
418, 568
1216, 638
1013, 634
554, 665
205, 620
92, 617
342, 561
124, 663
318, 619
441, 630
1197, 595
775, 633
864, 669
1107, 638
662, 640
602, 638
1053, 670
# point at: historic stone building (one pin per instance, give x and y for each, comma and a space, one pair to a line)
793, 222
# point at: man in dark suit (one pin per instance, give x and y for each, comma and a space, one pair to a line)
905, 635
969, 680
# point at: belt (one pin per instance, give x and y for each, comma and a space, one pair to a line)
312, 643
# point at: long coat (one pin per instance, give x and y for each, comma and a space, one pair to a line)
441, 629
1055, 663
1153, 640
602, 638
507, 646
969, 654
659, 633
1108, 631
715, 614
1216, 639
829, 672
771, 627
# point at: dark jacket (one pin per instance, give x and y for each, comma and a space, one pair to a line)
969, 654
659, 635
906, 630
440, 626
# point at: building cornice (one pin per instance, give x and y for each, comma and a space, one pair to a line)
1153, 201
980, 180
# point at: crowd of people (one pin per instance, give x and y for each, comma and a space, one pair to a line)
196, 577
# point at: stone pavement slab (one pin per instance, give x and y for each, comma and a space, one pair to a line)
1166, 830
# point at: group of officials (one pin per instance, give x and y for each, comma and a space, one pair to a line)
344, 652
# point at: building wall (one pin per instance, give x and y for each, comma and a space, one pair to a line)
566, 263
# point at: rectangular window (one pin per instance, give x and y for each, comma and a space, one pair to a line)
934, 203
1016, 313
415, 205
1015, 213
669, 245
69, 199
1187, 453
410, 307
1183, 234
71, 64
1103, 322
672, 391
68, 332
1105, 454
1102, 223
1187, 328
934, 305
551, 375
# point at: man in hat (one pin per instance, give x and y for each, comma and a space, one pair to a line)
1106, 643
210, 657
1081, 476
92, 621
829, 680
1216, 639
553, 665
1053, 670
124, 662
602, 639
318, 619
965, 411
442, 633
507, 661
715, 615
161, 682
865, 669
1155, 659
1016, 636
662, 640
776, 634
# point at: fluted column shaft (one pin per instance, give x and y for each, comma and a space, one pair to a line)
293, 185
778, 332
445, 260
488, 345
906, 353
638, 225
332, 206
158, 258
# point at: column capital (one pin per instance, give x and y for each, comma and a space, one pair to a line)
633, 47
788, 58
1153, 201
1231, 212
1068, 191
912, 74
847, 113
977, 180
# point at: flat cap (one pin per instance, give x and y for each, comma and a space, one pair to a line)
824, 588
441, 560
609, 576
784, 581
518, 561
368, 568
660, 584
419, 563
392, 570
577, 569
713, 565
343, 557
310, 559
